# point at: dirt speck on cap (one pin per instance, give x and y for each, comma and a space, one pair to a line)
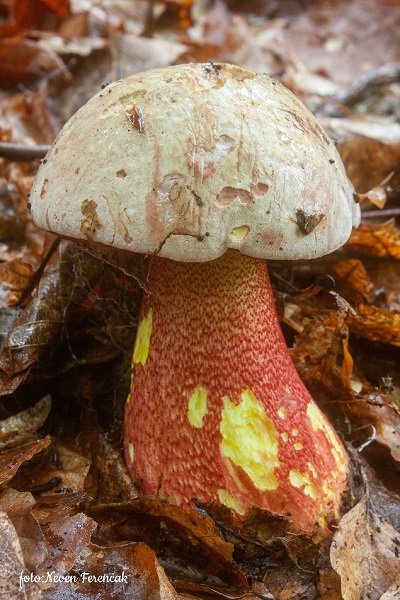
307, 222
135, 117
91, 223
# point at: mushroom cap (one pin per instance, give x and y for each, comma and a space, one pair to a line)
188, 161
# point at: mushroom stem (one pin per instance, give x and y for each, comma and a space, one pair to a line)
217, 411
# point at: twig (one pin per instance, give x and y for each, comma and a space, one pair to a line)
353, 93
38, 274
21, 152
385, 213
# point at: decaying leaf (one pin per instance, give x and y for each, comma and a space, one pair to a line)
366, 553
197, 532
21, 426
377, 324
12, 565
393, 592
351, 273
132, 570
11, 460
16, 277
18, 506
381, 240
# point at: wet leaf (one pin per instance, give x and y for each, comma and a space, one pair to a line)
133, 571
21, 426
12, 564
109, 480
187, 529
365, 540
66, 536
18, 506
11, 460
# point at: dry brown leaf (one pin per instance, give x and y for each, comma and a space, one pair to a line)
192, 532
352, 273
386, 421
66, 536
393, 592
374, 323
343, 41
141, 576
22, 61
365, 553
18, 506
109, 480
21, 426
381, 240
12, 565
62, 470
11, 460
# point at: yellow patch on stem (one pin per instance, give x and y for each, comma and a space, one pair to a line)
313, 470
143, 335
328, 490
303, 480
250, 440
320, 423
131, 452
197, 406
228, 500
281, 412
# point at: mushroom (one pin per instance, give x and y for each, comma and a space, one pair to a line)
211, 169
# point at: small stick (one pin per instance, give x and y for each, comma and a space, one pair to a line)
353, 93
21, 152
38, 274
385, 213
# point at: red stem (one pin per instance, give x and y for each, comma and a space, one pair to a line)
217, 410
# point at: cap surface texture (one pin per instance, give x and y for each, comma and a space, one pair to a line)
188, 161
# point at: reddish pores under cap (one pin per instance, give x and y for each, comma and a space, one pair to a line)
218, 412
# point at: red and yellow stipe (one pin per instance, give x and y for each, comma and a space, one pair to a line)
217, 410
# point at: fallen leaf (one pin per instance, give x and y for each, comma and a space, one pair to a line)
12, 565
21, 426
192, 530
381, 240
18, 506
11, 460
393, 592
366, 553
352, 273
133, 571
22, 61
66, 536
374, 323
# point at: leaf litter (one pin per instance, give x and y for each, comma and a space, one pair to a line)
66, 501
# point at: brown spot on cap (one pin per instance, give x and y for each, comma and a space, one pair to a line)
259, 189
135, 117
121, 173
228, 194
307, 222
44, 187
91, 222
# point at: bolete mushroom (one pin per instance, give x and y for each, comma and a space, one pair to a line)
211, 169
